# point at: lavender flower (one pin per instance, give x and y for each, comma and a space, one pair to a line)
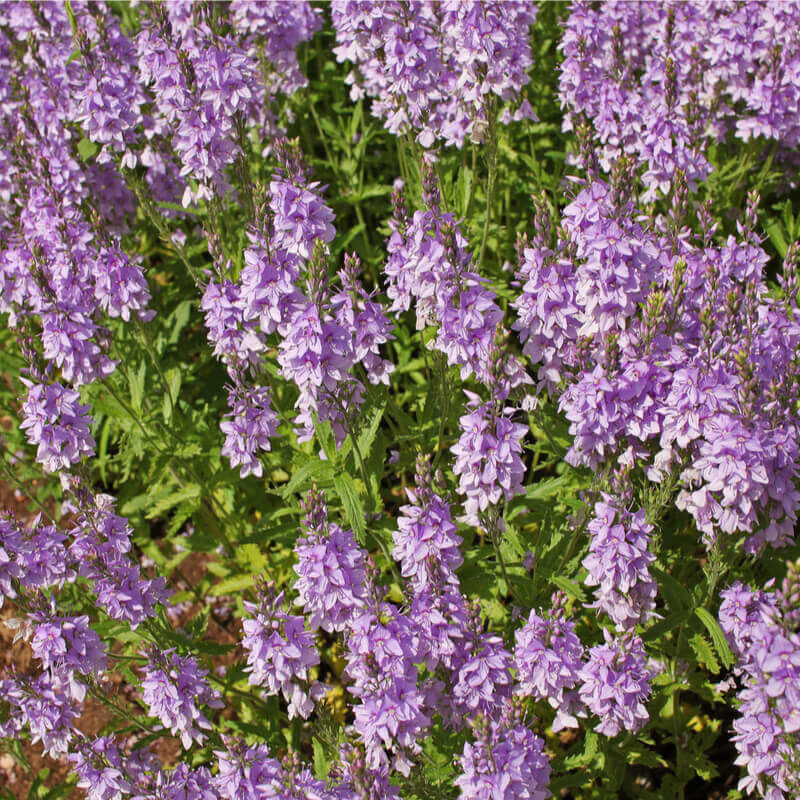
767, 727
68, 648
245, 772
35, 556
248, 428
615, 684
382, 650
482, 680
172, 688
280, 652
237, 341
426, 538
120, 285
548, 658
618, 562
100, 550
488, 457
105, 771
331, 569
506, 762
59, 425
436, 69
41, 706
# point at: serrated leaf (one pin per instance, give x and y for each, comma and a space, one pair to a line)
174, 377
543, 490
166, 502
321, 761
776, 236
367, 436
701, 764
179, 319
586, 756
250, 557
572, 588
182, 513
704, 652
166, 408
717, 636
674, 592
136, 386
315, 470
232, 585
353, 507
324, 433
664, 626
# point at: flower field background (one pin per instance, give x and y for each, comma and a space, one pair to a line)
399, 400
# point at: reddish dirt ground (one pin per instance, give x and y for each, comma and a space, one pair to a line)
16, 777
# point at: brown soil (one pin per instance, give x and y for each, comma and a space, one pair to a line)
96, 718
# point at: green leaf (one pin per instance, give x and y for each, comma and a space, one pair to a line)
136, 386
232, 585
166, 408
367, 436
666, 625
572, 588
775, 232
164, 503
353, 507
250, 557
179, 319
717, 636
174, 378
314, 470
324, 434
675, 593
701, 764
587, 756
705, 654
321, 761
86, 149
543, 490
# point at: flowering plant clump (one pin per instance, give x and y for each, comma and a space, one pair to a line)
400, 400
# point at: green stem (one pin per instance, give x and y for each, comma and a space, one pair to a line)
368, 485
471, 199
239, 692
208, 511
19, 485
445, 411
123, 712
491, 156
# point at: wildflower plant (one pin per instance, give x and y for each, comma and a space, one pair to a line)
400, 400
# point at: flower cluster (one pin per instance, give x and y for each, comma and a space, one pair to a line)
618, 562
173, 687
660, 83
429, 265
280, 652
40, 706
668, 344
506, 762
143, 159
248, 429
426, 543
283, 296
438, 70
548, 657
767, 729
101, 551
488, 458
58, 424
331, 569
615, 684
